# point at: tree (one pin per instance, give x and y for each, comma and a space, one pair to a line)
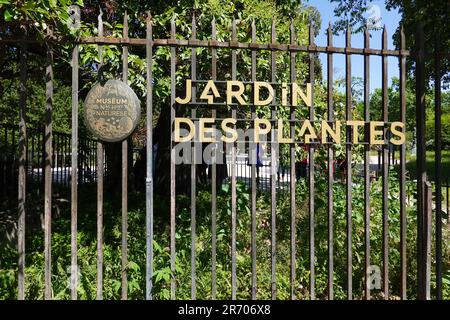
434, 15
376, 105
42, 15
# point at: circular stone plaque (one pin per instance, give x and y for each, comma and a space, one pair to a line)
112, 111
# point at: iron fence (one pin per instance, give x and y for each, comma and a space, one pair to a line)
51, 155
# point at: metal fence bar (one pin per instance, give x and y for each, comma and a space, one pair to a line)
330, 116
448, 200
48, 172
348, 159
100, 173
55, 173
385, 174
41, 150
194, 172
367, 167
236, 45
403, 213
214, 176
30, 160
273, 168
22, 173
293, 77
81, 171
149, 163
125, 174
74, 178
3, 163
100, 167
438, 166
173, 58
312, 257
233, 176
428, 197
221, 44
253, 175
421, 168
68, 146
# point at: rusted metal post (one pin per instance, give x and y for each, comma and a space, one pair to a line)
173, 61
214, 176
403, 200
22, 173
448, 199
194, 171
254, 185
427, 239
149, 164
233, 176
385, 168
438, 165
100, 174
273, 161
74, 177
330, 210
48, 171
293, 77
348, 159
367, 167
421, 169
311, 209
125, 174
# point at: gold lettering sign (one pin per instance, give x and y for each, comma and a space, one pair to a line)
112, 111
232, 92
307, 132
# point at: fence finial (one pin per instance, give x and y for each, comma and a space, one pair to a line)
330, 35
348, 35
100, 23
125, 24
366, 29
194, 26
172, 27
292, 31
213, 28
402, 38
384, 37
273, 32
311, 34
233, 30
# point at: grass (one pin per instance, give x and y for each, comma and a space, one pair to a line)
430, 164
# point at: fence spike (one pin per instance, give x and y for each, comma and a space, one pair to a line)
311, 34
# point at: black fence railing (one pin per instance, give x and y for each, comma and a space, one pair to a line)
61, 160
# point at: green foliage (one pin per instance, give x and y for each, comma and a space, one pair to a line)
445, 122
394, 105
35, 110
42, 12
54, 13
87, 246
433, 14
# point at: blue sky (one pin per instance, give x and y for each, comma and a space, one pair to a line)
389, 18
